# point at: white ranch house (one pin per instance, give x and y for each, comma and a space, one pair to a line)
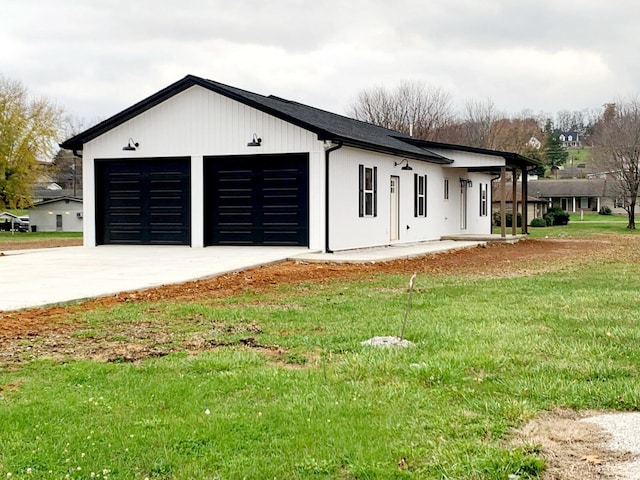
201, 163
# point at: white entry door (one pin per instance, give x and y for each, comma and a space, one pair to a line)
394, 228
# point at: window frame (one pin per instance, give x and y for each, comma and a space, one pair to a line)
484, 200
368, 194
446, 189
420, 185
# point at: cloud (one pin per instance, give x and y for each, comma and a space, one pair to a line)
99, 57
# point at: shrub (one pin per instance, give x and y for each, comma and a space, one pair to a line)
509, 220
556, 216
538, 222
604, 210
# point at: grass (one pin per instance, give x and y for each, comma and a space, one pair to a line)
34, 236
489, 354
588, 225
579, 156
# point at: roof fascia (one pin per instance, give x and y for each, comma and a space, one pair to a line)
514, 159
427, 157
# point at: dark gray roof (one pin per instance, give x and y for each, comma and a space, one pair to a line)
58, 199
327, 125
567, 188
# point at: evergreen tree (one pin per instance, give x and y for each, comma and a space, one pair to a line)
554, 153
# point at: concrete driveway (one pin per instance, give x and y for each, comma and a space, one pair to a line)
31, 278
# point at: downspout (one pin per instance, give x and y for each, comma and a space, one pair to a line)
327, 152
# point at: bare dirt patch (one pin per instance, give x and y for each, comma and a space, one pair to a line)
495, 260
39, 243
573, 449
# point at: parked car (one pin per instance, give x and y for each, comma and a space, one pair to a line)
18, 225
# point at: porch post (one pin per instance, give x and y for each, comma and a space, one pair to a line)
525, 202
503, 202
514, 202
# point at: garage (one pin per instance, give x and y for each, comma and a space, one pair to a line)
143, 202
257, 200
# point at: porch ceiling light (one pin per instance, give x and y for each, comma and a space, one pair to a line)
131, 146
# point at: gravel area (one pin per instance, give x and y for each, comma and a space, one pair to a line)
387, 342
624, 429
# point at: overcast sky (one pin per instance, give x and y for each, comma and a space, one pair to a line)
97, 57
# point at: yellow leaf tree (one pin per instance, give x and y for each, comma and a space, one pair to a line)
30, 129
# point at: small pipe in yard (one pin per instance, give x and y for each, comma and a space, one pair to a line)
406, 310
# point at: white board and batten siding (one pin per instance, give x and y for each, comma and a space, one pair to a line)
349, 230
62, 215
196, 123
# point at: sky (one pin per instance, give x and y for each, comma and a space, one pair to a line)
95, 58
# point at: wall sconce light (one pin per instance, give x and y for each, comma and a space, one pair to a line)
255, 142
131, 146
406, 167
465, 182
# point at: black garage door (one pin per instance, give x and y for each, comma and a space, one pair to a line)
257, 200
143, 202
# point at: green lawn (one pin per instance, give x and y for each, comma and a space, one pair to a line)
312, 403
26, 236
588, 225
578, 156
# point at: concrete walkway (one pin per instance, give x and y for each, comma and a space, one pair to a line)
391, 252
32, 278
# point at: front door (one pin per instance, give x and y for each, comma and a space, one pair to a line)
394, 228
58, 223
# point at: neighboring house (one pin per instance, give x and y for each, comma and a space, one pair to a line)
536, 207
570, 139
201, 163
534, 143
574, 195
62, 214
40, 195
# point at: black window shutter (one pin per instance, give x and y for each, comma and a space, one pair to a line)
361, 191
415, 195
480, 199
375, 191
425, 195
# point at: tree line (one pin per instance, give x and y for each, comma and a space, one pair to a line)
427, 112
31, 128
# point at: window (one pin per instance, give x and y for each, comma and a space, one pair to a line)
368, 198
420, 195
584, 202
483, 199
446, 189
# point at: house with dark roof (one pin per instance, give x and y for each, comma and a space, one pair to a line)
570, 139
575, 195
201, 163
60, 214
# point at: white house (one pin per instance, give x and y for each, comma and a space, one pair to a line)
62, 214
201, 163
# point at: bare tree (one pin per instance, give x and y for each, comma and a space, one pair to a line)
412, 107
617, 150
478, 121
